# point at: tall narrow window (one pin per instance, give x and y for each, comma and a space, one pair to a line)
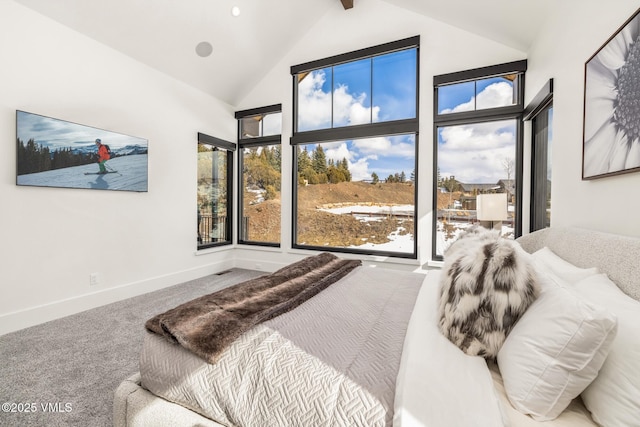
355, 148
540, 112
214, 191
478, 151
259, 133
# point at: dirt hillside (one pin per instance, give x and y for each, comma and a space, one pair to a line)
311, 196
316, 227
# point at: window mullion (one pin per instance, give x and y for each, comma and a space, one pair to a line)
364, 166
477, 127
371, 89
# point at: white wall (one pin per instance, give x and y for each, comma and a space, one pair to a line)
443, 49
53, 239
575, 31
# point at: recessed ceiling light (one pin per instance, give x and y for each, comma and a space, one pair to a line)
204, 49
235, 11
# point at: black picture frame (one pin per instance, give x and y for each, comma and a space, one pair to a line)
52, 152
611, 125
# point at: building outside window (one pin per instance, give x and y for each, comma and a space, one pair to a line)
477, 151
355, 148
259, 138
214, 191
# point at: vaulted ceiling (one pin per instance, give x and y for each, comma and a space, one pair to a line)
164, 33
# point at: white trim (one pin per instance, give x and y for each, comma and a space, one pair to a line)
214, 249
32, 316
435, 264
265, 259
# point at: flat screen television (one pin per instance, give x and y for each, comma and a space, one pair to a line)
57, 153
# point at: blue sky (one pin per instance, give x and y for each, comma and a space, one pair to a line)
473, 153
392, 77
477, 153
55, 133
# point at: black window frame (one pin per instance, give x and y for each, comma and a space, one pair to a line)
260, 141
537, 111
230, 148
360, 131
510, 112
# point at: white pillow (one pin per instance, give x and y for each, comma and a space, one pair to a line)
547, 260
614, 396
554, 351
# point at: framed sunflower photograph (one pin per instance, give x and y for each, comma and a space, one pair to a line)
611, 133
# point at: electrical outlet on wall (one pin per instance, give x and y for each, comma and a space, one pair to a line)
94, 279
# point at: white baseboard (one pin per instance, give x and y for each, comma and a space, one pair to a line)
32, 316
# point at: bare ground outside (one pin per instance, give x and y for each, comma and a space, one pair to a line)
320, 228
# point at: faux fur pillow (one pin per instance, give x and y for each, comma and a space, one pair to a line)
486, 285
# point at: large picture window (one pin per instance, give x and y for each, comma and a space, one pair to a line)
214, 191
259, 133
355, 149
477, 152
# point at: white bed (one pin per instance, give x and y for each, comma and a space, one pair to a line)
437, 385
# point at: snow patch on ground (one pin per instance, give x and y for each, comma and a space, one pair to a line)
397, 242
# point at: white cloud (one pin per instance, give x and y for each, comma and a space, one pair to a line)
349, 109
476, 167
373, 145
403, 149
491, 135
495, 95
465, 106
360, 169
476, 153
272, 124
315, 106
337, 153
313, 103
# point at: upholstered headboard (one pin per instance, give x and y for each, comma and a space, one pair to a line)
617, 256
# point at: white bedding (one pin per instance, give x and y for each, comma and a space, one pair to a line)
438, 385
469, 393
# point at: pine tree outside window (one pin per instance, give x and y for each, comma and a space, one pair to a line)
355, 147
259, 134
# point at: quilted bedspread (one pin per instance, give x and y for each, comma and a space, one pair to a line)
207, 325
332, 361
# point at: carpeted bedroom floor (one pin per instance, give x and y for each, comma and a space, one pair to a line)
65, 371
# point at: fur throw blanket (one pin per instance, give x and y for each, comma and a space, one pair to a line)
207, 325
486, 286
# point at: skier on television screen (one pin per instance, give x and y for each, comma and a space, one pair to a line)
103, 155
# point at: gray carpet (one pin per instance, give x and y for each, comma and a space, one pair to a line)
66, 370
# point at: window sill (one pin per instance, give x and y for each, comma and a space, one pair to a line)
214, 249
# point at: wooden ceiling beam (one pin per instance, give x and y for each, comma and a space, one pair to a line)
347, 4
